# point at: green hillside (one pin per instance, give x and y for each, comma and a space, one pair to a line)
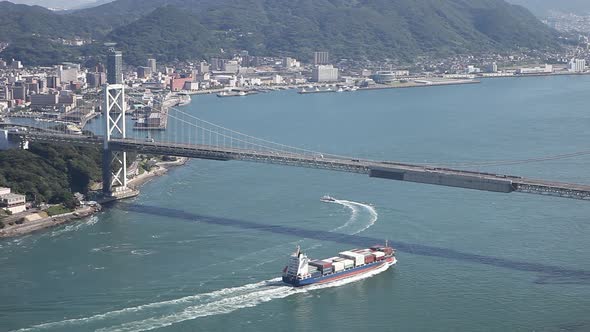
355, 29
20, 21
371, 29
168, 34
50, 173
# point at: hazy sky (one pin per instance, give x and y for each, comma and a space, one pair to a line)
64, 4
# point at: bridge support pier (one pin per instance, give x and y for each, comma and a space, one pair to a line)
107, 175
114, 163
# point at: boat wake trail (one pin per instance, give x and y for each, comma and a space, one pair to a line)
355, 224
357, 208
350, 227
162, 314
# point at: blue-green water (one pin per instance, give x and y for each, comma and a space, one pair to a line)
191, 253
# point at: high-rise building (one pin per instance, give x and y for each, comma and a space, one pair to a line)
144, 72
94, 80
115, 67
289, 62
42, 84
16, 64
19, 91
151, 63
324, 73
67, 73
492, 68
321, 58
251, 61
103, 78
577, 65
216, 63
203, 67
53, 82
5, 93
230, 66
33, 87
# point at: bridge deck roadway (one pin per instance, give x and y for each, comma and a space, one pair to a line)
377, 169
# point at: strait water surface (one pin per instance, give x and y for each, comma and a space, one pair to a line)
201, 248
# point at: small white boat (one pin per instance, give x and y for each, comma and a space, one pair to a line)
327, 199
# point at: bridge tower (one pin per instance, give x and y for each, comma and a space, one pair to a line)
114, 163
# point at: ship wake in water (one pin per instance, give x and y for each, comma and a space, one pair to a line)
165, 313
162, 314
356, 209
362, 217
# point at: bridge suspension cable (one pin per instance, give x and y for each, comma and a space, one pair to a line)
247, 144
195, 130
212, 134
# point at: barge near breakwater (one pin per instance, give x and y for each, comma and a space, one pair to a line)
235, 93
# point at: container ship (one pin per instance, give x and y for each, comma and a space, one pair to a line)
302, 271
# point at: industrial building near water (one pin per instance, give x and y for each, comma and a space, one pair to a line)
13, 203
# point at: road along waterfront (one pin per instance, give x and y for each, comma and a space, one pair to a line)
200, 248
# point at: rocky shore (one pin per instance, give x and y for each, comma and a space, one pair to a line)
160, 169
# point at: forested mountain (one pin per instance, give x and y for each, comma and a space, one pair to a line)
543, 7
21, 21
357, 29
50, 173
354, 29
166, 33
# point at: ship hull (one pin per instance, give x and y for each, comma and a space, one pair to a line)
295, 282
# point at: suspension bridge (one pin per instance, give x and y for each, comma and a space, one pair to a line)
197, 138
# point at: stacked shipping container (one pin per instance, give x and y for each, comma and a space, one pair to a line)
356, 257
348, 259
363, 256
324, 267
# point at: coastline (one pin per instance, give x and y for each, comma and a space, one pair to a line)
49, 222
161, 168
82, 212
